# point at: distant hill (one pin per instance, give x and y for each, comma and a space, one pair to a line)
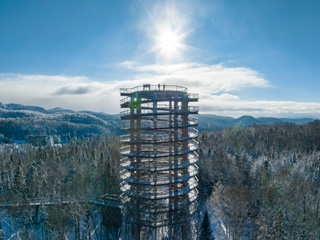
210, 122
13, 106
59, 110
18, 121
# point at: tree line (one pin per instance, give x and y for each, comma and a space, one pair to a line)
262, 181
256, 182
82, 168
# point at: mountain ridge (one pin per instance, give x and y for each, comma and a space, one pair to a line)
17, 121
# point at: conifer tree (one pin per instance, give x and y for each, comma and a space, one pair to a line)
18, 180
206, 231
279, 230
1, 233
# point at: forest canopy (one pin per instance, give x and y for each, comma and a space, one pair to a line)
255, 182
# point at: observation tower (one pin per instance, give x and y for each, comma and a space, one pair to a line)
158, 156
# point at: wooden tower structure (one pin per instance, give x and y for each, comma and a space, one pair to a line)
159, 159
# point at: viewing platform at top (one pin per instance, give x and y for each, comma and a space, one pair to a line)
152, 88
163, 92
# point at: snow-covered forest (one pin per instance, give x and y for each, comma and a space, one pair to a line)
262, 181
81, 169
256, 182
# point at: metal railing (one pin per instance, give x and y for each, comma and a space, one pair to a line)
155, 219
151, 167
164, 109
149, 164
192, 184
161, 138
163, 179
125, 100
193, 144
161, 97
159, 126
149, 87
107, 199
193, 95
149, 150
166, 206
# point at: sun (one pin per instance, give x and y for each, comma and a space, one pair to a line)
169, 43
169, 28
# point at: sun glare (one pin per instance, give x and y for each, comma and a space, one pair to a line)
169, 43
169, 31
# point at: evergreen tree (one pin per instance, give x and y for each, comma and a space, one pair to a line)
279, 229
19, 180
1, 233
205, 231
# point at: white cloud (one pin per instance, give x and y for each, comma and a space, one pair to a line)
230, 105
40, 78
76, 93
127, 64
218, 85
203, 78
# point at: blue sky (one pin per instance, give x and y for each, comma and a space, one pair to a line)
257, 58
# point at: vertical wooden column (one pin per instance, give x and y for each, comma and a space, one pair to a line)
155, 135
184, 134
138, 173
